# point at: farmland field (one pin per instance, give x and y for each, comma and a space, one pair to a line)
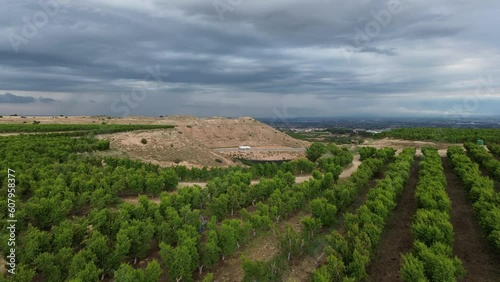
74, 211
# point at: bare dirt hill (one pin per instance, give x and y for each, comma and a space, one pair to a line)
165, 147
193, 141
219, 132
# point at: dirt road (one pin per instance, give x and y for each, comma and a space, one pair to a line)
397, 237
281, 149
351, 168
471, 245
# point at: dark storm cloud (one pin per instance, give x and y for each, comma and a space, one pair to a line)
9, 98
286, 52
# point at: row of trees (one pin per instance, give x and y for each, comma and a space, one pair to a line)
224, 196
95, 128
291, 243
296, 167
481, 192
483, 157
495, 149
317, 150
372, 152
453, 135
347, 257
343, 194
432, 256
267, 170
127, 273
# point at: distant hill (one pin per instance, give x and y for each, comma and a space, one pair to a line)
218, 132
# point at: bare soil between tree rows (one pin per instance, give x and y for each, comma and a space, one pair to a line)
397, 238
471, 246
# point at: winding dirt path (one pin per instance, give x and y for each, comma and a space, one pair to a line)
351, 168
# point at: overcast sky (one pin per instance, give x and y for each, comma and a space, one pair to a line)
261, 58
